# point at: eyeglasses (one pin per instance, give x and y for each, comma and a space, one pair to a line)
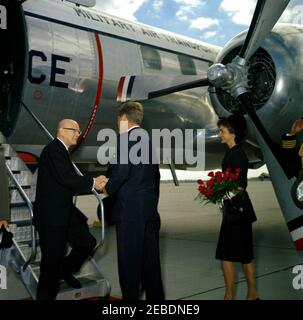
72, 129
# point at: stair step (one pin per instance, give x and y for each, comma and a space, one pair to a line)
24, 177
19, 205
16, 164
8, 150
14, 187
21, 223
22, 234
16, 197
18, 214
91, 287
27, 241
26, 250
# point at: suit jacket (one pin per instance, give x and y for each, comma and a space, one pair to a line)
134, 187
4, 194
57, 183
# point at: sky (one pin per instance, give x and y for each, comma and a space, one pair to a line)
211, 21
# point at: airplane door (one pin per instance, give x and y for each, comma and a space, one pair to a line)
63, 77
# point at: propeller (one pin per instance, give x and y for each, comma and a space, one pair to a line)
266, 15
233, 78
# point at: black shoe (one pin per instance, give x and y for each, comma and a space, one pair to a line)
72, 281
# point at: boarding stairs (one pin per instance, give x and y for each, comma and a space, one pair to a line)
24, 256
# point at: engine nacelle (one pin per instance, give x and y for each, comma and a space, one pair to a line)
275, 78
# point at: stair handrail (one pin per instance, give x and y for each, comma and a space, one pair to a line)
30, 209
94, 192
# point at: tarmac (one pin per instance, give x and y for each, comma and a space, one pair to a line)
188, 239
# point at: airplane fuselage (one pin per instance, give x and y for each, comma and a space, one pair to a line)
74, 58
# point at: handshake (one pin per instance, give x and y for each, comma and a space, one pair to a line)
100, 183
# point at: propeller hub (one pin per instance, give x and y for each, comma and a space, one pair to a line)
232, 78
220, 75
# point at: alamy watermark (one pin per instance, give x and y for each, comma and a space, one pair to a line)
3, 17
181, 147
3, 277
297, 281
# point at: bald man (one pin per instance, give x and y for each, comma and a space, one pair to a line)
57, 220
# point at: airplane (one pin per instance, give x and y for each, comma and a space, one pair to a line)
65, 59
80, 80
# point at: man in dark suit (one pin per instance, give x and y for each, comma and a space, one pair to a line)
57, 220
135, 191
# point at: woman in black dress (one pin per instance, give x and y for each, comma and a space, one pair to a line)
235, 242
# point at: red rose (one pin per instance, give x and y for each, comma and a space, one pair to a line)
211, 174
219, 178
238, 170
200, 181
210, 182
201, 188
228, 169
233, 177
219, 174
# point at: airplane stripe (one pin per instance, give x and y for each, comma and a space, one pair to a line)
297, 234
295, 223
130, 87
96, 105
124, 90
299, 244
120, 88
68, 24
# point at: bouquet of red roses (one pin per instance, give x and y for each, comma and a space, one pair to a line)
218, 186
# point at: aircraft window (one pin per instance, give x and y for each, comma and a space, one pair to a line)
151, 58
187, 65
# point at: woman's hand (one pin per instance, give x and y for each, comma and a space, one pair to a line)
3, 223
297, 126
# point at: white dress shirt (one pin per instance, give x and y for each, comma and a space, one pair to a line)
66, 147
132, 128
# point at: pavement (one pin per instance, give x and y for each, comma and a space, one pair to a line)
188, 239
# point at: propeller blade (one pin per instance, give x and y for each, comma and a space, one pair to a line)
184, 86
266, 14
284, 182
245, 100
147, 87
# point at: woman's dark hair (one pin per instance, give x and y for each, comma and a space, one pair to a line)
235, 124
